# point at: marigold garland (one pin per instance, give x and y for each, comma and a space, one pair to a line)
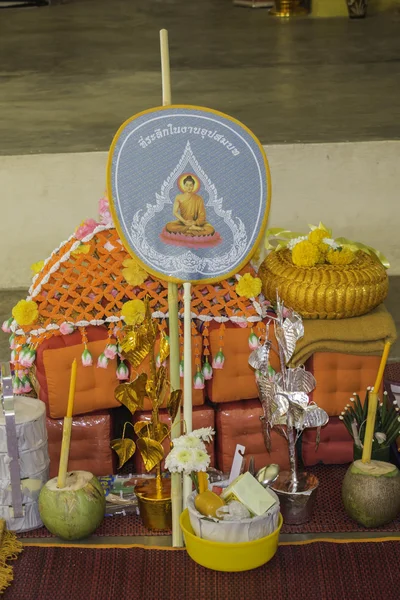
248, 286
341, 256
25, 312
133, 272
133, 312
305, 254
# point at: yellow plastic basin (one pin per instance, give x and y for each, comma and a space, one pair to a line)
229, 557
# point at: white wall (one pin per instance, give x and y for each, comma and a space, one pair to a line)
351, 187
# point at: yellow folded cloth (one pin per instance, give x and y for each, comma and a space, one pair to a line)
10, 547
365, 335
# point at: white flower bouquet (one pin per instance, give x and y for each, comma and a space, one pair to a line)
189, 455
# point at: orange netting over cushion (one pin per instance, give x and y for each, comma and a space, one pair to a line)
82, 283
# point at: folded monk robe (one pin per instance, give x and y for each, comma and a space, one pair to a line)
365, 335
9, 548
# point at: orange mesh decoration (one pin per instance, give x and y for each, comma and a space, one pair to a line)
82, 284
89, 288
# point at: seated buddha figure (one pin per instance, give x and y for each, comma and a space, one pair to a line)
190, 213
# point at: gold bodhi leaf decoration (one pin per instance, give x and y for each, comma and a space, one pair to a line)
163, 352
125, 449
138, 343
152, 452
132, 394
142, 428
173, 403
135, 346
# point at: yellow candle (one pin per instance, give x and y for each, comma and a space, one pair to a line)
382, 366
372, 407
72, 385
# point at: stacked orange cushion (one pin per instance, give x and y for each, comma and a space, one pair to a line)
90, 444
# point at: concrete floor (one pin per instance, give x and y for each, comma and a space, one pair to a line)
71, 73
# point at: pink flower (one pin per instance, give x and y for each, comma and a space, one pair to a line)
87, 359
66, 328
102, 361
110, 351
27, 357
26, 385
207, 371
104, 211
6, 327
253, 341
158, 362
198, 381
218, 361
13, 341
122, 371
85, 228
17, 386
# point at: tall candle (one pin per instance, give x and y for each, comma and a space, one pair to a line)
372, 408
72, 385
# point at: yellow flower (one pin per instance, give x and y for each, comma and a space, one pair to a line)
25, 312
82, 249
305, 254
37, 267
248, 286
133, 312
341, 256
133, 272
316, 236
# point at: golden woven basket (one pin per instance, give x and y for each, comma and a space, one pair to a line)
325, 291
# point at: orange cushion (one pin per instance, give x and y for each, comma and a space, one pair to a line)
90, 444
338, 376
94, 387
236, 381
203, 416
335, 447
239, 423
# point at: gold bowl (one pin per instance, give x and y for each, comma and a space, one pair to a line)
325, 291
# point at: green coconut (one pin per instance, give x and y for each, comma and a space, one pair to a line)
371, 492
74, 511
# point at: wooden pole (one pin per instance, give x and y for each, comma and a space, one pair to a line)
187, 380
372, 407
176, 479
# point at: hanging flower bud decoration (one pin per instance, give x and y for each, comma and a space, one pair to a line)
253, 341
207, 370
27, 357
102, 361
122, 371
218, 360
6, 327
87, 359
198, 381
111, 351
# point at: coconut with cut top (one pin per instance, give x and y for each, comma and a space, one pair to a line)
76, 510
371, 492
